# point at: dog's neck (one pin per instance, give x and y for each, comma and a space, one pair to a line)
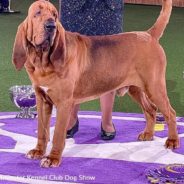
38, 58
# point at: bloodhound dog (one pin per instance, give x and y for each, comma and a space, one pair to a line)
68, 68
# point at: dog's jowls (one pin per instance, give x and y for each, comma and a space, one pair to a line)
75, 68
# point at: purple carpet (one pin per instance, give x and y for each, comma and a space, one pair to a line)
86, 158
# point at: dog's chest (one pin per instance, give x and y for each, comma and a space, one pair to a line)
42, 79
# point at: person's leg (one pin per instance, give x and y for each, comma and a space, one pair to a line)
106, 103
73, 117
5, 4
73, 125
0, 2
108, 131
5, 7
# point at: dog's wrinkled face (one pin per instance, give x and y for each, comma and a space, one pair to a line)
42, 18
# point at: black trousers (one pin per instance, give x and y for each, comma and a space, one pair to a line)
4, 3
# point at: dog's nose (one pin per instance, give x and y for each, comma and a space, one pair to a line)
50, 26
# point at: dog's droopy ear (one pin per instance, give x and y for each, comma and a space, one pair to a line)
19, 55
58, 51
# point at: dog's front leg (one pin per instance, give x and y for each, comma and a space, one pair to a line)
44, 109
62, 119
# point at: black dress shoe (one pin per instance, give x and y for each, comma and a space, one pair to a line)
107, 135
70, 133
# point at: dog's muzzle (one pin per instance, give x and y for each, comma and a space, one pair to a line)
50, 26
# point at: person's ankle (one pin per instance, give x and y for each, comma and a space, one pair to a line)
72, 123
72, 131
108, 127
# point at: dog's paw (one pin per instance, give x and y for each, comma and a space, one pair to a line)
172, 143
145, 136
49, 162
35, 154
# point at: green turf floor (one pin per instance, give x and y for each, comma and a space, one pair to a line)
136, 17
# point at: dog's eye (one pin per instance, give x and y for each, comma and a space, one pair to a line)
37, 13
54, 14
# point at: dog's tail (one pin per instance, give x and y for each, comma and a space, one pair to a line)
158, 28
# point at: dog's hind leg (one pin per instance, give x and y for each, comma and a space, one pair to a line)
158, 96
149, 110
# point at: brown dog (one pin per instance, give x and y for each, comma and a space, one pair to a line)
68, 68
